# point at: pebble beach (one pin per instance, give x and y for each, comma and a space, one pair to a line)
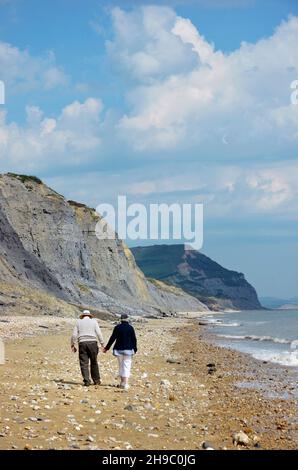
186, 392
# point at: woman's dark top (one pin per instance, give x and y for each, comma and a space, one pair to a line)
125, 337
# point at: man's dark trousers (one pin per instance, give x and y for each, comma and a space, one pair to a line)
88, 351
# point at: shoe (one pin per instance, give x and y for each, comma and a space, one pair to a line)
124, 386
98, 382
86, 384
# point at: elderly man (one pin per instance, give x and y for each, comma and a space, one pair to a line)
87, 332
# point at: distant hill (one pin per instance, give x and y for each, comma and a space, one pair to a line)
200, 276
274, 302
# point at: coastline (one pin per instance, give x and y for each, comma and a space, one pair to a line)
173, 403
244, 390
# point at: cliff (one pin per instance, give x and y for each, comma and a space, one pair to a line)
195, 273
48, 247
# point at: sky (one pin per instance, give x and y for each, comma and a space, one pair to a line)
186, 101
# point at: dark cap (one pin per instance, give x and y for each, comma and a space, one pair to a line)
124, 316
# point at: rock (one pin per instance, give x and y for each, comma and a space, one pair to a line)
90, 439
165, 383
207, 446
28, 447
240, 438
173, 361
129, 408
211, 368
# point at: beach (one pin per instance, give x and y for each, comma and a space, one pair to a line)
185, 391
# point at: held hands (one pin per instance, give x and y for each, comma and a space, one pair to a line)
73, 348
104, 350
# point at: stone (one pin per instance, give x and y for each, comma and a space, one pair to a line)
240, 438
173, 361
165, 383
129, 408
207, 446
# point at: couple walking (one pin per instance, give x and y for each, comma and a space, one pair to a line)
87, 333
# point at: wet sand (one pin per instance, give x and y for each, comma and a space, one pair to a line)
175, 401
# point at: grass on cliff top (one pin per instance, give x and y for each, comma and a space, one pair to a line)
25, 178
80, 205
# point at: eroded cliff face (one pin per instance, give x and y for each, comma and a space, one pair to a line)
49, 243
198, 275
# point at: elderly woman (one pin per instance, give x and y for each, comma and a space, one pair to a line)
125, 347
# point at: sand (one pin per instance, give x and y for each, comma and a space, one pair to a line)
173, 402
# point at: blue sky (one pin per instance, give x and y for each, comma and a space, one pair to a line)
185, 101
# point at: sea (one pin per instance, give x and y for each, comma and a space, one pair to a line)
267, 335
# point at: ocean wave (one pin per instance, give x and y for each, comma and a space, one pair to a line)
293, 344
215, 322
285, 358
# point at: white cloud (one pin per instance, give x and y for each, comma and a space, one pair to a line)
190, 96
22, 72
71, 139
144, 43
225, 190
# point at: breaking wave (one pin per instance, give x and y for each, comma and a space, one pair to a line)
262, 338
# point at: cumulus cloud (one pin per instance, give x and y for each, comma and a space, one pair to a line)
70, 140
226, 190
144, 43
189, 95
22, 72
